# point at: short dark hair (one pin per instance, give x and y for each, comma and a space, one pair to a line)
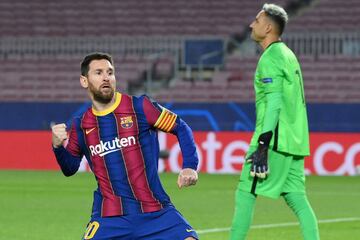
93, 56
277, 14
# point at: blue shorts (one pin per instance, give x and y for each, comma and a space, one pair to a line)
165, 224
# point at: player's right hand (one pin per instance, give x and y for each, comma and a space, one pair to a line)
59, 134
259, 162
187, 177
259, 159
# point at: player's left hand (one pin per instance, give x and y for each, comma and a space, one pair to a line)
187, 177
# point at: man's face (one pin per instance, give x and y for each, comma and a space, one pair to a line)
260, 27
101, 80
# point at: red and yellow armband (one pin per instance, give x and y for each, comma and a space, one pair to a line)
166, 121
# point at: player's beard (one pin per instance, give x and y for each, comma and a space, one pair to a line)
102, 95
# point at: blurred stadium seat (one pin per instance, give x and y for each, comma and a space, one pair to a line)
44, 42
127, 17
328, 15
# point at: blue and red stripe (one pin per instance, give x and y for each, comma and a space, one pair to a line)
111, 204
134, 161
127, 177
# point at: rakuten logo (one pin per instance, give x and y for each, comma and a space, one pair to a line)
104, 148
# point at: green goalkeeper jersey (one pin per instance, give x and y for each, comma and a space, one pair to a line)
278, 71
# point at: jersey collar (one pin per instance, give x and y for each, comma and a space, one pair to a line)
279, 41
110, 109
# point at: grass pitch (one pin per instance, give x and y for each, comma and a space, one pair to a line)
38, 205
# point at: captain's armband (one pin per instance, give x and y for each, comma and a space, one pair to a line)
166, 120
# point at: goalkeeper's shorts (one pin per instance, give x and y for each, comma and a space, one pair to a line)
165, 224
286, 174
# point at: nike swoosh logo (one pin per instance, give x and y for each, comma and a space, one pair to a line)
87, 131
190, 230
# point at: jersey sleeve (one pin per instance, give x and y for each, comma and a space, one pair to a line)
272, 113
69, 158
158, 116
271, 75
73, 146
167, 121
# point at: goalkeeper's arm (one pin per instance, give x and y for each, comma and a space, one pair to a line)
259, 165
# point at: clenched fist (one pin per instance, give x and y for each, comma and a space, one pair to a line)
187, 177
59, 134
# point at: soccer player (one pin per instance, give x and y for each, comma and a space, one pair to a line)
118, 136
274, 164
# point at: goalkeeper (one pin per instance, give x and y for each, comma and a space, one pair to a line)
274, 164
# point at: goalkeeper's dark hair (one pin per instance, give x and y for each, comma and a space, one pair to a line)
277, 14
93, 56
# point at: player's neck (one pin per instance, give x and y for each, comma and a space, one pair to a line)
98, 106
268, 41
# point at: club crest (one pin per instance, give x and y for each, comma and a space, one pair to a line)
126, 122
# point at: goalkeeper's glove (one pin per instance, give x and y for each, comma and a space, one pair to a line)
259, 159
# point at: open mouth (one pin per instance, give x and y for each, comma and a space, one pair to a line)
105, 86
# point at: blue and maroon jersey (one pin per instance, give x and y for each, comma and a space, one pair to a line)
122, 150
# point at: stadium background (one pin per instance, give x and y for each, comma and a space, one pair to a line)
195, 57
